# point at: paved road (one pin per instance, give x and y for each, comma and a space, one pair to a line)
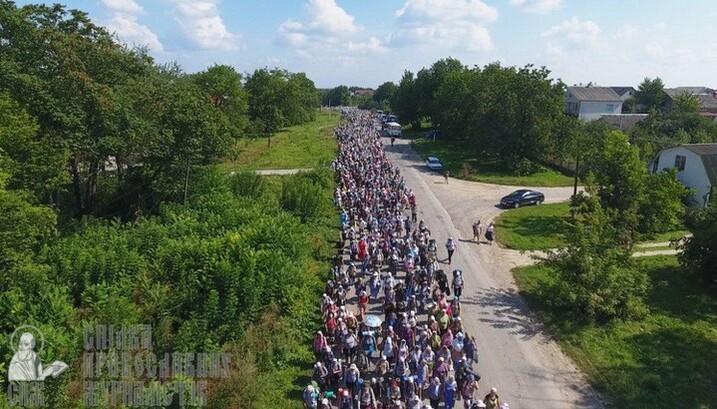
516, 356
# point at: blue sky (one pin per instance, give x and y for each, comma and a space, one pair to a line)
367, 42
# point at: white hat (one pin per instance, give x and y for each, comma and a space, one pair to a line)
494, 390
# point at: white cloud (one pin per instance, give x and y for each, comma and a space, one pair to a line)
123, 22
123, 6
445, 24
536, 6
575, 31
372, 47
202, 23
131, 32
325, 22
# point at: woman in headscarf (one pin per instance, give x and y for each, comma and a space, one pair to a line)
434, 392
449, 392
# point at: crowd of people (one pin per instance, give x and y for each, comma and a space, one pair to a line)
392, 335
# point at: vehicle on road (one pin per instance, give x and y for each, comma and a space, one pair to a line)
522, 197
393, 128
433, 163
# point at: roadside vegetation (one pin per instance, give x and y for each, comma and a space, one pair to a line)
301, 146
114, 210
661, 360
545, 227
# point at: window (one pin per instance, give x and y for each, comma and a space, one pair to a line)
680, 162
610, 107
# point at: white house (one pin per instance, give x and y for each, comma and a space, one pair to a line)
591, 103
696, 165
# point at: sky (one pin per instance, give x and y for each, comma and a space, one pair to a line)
367, 42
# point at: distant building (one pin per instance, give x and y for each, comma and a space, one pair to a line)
591, 103
624, 92
623, 122
696, 165
705, 96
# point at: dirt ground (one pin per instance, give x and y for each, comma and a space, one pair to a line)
516, 355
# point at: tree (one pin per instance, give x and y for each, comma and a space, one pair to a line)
699, 252
405, 102
686, 104
339, 96
650, 95
616, 175
661, 210
266, 89
224, 89
596, 278
427, 83
385, 92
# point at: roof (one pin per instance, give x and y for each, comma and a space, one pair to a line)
622, 90
708, 154
393, 124
594, 94
623, 122
688, 90
707, 101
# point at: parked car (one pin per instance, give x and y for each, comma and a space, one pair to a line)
434, 163
522, 197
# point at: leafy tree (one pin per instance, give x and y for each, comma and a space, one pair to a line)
300, 99
427, 83
686, 104
384, 93
596, 278
661, 208
339, 96
405, 101
266, 89
650, 95
616, 174
225, 91
699, 252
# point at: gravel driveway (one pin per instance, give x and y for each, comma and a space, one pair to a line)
516, 356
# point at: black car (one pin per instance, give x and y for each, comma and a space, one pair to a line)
522, 197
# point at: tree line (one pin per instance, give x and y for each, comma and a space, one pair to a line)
98, 126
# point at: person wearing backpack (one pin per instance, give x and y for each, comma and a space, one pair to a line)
457, 283
451, 248
311, 397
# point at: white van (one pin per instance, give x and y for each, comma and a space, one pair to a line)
393, 129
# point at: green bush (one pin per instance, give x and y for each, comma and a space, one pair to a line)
301, 197
524, 167
248, 184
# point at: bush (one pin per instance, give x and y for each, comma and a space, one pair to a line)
301, 197
699, 252
524, 167
466, 170
248, 184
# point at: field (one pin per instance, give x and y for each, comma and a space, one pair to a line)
666, 360
455, 156
543, 227
302, 146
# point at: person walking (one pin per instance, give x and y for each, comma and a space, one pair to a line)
490, 233
450, 247
446, 175
491, 400
477, 230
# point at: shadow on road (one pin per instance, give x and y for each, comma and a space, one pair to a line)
509, 311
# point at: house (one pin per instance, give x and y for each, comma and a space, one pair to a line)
705, 96
590, 103
623, 122
696, 166
624, 92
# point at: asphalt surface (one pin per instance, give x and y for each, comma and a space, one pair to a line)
516, 356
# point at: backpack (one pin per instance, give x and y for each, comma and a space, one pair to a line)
458, 281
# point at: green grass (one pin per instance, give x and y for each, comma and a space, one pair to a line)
454, 154
302, 146
666, 360
544, 227
533, 227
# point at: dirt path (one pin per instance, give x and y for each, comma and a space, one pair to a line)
516, 356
